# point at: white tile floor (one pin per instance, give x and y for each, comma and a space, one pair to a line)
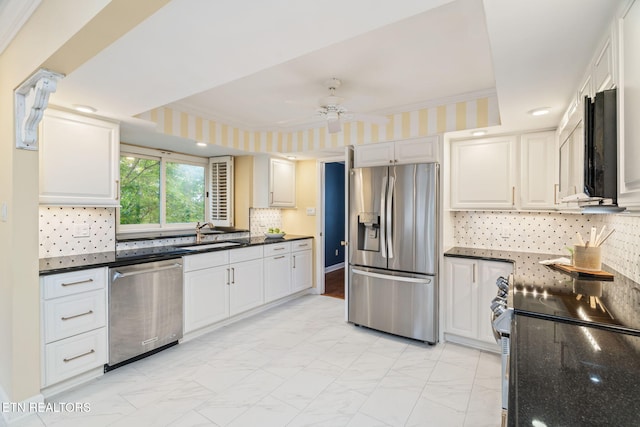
298, 364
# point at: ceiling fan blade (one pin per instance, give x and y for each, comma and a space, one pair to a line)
333, 126
301, 121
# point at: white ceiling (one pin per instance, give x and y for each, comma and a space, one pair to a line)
259, 64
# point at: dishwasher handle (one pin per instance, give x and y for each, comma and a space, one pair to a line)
117, 275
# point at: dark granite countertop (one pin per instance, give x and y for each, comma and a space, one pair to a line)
564, 374
65, 264
575, 344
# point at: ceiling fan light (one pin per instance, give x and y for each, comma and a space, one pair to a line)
333, 126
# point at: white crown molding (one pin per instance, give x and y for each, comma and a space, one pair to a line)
463, 97
13, 15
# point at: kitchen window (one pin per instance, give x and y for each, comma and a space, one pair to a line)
161, 190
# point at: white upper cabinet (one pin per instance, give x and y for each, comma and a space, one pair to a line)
274, 182
603, 68
78, 160
380, 154
628, 108
483, 173
571, 158
419, 150
486, 173
538, 171
282, 183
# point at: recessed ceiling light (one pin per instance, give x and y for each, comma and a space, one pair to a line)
84, 108
479, 132
540, 111
291, 157
201, 144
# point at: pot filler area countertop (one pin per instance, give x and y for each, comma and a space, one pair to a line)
575, 344
65, 264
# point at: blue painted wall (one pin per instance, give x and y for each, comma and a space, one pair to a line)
334, 213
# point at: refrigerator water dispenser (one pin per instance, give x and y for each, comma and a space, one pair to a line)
369, 231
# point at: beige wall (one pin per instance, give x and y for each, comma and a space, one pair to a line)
296, 221
41, 41
242, 190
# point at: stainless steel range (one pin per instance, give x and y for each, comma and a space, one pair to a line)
501, 317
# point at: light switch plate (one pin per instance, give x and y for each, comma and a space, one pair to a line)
4, 212
311, 211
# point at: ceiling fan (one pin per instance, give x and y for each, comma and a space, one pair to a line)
331, 109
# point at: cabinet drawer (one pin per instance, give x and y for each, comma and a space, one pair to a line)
206, 260
245, 254
277, 248
301, 245
75, 355
59, 285
73, 315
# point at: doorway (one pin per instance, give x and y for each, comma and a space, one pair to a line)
334, 229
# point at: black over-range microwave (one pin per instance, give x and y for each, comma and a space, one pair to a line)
600, 161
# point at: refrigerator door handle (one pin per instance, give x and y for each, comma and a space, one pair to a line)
425, 281
389, 216
383, 222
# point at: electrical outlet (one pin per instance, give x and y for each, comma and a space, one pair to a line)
82, 230
311, 211
336, 252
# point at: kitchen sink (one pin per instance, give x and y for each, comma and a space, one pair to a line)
210, 246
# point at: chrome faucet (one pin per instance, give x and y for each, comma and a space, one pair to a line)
199, 230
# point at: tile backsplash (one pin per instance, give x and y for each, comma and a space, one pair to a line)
550, 232
60, 226
261, 220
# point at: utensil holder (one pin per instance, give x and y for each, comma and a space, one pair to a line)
587, 258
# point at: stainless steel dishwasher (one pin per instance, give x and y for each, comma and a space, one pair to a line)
145, 309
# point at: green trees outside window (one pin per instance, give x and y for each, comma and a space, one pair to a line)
142, 191
185, 193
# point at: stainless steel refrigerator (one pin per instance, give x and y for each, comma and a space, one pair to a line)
393, 223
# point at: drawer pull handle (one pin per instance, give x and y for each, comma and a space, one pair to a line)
278, 249
303, 246
65, 360
77, 315
78, 283
294, 261
279, 257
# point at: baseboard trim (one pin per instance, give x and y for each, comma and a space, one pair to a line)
11, 417
206, 329
333, 267
470, 342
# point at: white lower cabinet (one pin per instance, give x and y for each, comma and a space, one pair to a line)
469, 289
206, 289
277, 271
221, 284
73, 356
246, 286
288, 268
301, 270
206, 297
73, 324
